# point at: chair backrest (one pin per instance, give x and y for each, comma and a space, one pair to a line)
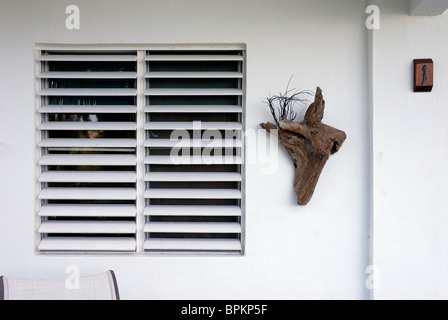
94, 287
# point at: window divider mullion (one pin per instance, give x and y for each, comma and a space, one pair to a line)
140, 151
38, 150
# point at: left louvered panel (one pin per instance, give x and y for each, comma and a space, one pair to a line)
87, 151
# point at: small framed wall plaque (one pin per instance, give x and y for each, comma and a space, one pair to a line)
423, 75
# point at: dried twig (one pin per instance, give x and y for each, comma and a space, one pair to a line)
282, 106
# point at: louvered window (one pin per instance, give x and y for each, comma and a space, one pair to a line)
140, 151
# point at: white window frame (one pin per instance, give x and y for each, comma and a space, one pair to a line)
140, 136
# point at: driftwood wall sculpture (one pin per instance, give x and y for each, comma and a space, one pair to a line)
309, 144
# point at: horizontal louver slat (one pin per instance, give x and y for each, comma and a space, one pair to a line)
192, 227
88, 75
86, 227
88, 143
88, 160
89, 176
188, 57
220, 143
88, 194
87, 57
87, 92
87, 109
93, 126
96, 244
193, 160
194, 75
193, 92
193, 176
193, 109
174, 125
88, 210
192, 194
195, 211
192, 245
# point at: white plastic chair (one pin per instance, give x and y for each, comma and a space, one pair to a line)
94, 287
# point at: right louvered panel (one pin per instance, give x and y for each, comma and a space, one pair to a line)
193, 184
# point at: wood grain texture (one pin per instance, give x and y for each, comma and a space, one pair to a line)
310, 144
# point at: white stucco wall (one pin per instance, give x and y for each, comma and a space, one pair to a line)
410, 152
319, 251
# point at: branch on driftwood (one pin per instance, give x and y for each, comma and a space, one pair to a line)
309, 144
